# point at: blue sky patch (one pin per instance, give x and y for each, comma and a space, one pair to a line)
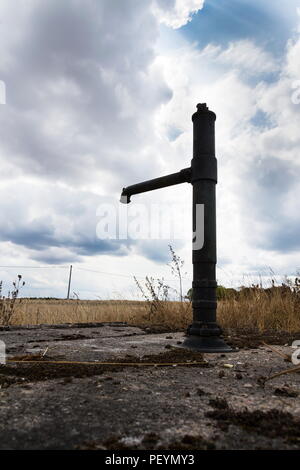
173, 133
267, 23
262, 120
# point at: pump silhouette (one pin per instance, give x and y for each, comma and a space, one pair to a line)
203, 334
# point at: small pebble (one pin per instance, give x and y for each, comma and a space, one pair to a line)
26, 386
67, 380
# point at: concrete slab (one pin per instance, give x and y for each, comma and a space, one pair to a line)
220, 402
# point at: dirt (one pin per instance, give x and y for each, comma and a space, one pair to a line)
43, 371
177, 355
157, 329
245, 338
150, 441
272, 423
286, 392
190, 443
119, 443
63, 338
242, 338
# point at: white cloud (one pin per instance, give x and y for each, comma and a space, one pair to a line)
176, 13
82, 94
258, 146
245, 55
76, 77
92, 107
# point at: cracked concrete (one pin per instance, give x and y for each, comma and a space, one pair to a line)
143, 407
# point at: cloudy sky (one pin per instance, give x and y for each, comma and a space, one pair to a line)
99, 95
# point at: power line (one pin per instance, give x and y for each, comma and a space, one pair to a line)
90, 270
124, 275
110, 274
35, 267
69, 284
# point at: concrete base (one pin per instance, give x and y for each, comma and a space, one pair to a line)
75, 406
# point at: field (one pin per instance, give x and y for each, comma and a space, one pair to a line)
271, 309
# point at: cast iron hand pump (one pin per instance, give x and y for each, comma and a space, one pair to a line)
203, 334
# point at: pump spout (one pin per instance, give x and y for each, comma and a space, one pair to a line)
125, 196
183, 176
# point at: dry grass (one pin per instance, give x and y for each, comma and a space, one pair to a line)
38, 311
256, 309
274, 308
261, 309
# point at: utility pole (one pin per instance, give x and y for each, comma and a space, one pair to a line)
204, 334
69, 285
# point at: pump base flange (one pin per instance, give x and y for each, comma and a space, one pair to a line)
207, 344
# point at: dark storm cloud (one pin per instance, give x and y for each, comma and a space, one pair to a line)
285, 238
76, 76
266, 201
270, 180
156, 250
49, 257
67, 230
165, 4
39, 235
81, 93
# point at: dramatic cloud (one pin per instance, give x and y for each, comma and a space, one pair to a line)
97, 100
176, 13
55, 223
258, 145
76, 74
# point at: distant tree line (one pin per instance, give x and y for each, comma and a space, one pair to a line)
286, 288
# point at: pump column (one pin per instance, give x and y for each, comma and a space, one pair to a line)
204, 333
